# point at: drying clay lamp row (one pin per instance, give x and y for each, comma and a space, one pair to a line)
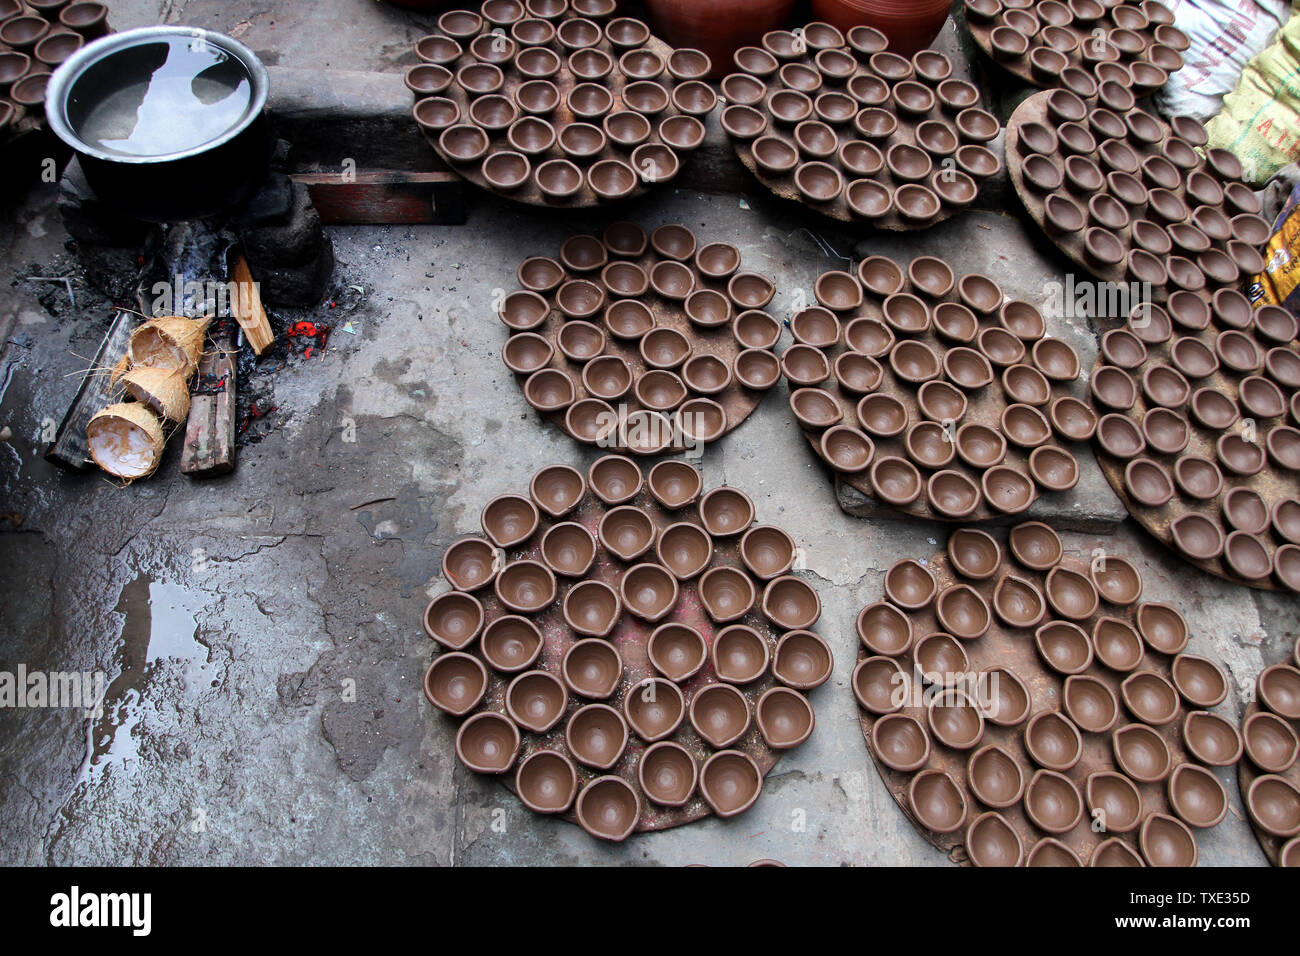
558, 103
642, 343
938, 396
1070, 43
631, 652
1131, 198
34, 40
1270, 775
1010, 698
856, 132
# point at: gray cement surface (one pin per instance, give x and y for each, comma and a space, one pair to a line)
260, 633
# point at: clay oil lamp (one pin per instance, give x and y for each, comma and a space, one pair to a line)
1211, 739
1025, 426
952, 494
857, 373
941, 660
1006, 489
614, 479
1199, 680
1001, 347
1166, 841
1050, 852
608, 808
568, 549
727, 594
877, 682
668, 774
1283, 444
882, 416
1064, 647
536, 63
525, 587
700, 420
914, 362
1117, 644
816, 140
1036, 546
755, 329
526, 353
880, 276
654, 708
819, 182
536, 701
1246, 556
955, 323
1114, 852
1150, 698
626, 128
910, 585
991, 841
1232, 309
590, 65
708, 309
1197, 796
1018, 602
767, 551
626, 532
929, 445
511, 644
1151, 238
1148, 483
558, 179
676, 651
1141, 753
916, 204
963, 613
720, 714
1063, 215
587, 419
455, 683
546, 782
791, 604
1279, 690
1026, 385
612, 179
1056, 360
596, 735
592, 608
818, 327
1117, 580
1042, 174
995, 777
749, 290
740, 654
974, 554
549, 390
1090, 703
1274, 805
784, 717
871, 337
581, 341
908, 163
1052, 802
1197, 537
1053, 742
1283, 366
730, 782
1073, 419
1114, 800
802, 660
469, 564
896, 481
1165, 431
1275, 324
900, 742
592, 668
1261, 398
876, 125
726, 512
884, 629
980, 446
660, 347
805, 365
1083, 175
453, 619
659, 390
861, 159
1270, 743
1285, 520
488, 742
1053, 468
1212, 409
937, 802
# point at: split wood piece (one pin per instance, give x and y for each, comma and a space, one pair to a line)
209, 448
387, 197
69, 448
246, 306
1248, 773
1014, 649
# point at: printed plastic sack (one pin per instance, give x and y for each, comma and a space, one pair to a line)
1280, 283
1260, 121
1225, 35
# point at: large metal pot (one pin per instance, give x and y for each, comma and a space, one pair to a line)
168, 121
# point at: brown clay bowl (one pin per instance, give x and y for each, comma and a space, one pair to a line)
592, 668
726, 512
1141, 753
1005, 488
1114, 852
608, 808
1052, 802
511, 644
730, 782
992, 841
974, 554
791, 604
767, 551
549, 390
1163, 628
1064, 646
937, 802
805, 366
784, 717
526, 353
901, 742
676, 651
649, 592
1008, 697
895, 481
536, 700
614, 479
1117, 644
726, 593
568, 549
910, 585
1166, 841
546, 782
1025, 426
930, 445
720, 714
995, 777
1269, 742
488, 742
802, 660
1278, 689
469, 564
963, 613
755, 329
654, 708
668, 774
1274, 805
1114, 801
453, 619
1197, 537
884, 629
1198, 477
1116, 580
1090, 703
626, 532
700, 420
525, 587
882, 416
581, 341
455, 683
881, 685
596, 735
1165, 431
1211, 739
1197, 796
954, 322
980, 446
1018, 602
1199, 680
1035, 545
592, 608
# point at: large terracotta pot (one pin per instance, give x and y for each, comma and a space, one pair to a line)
718, 27
911, 25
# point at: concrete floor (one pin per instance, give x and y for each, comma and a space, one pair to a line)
231, 616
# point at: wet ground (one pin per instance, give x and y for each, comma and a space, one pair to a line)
258, 635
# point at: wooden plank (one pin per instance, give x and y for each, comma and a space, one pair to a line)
69, 448
246, 306
387, 197
209, 448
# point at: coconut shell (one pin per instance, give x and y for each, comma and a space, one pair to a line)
126, 440
166, 392
170, 342
118, 370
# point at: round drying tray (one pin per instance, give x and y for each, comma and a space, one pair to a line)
1132, 199
604, 615
640, 343
936, 394
558, 103
1068, 43
1025, 706
856, 132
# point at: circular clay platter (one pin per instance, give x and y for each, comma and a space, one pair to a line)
985, 405
695, 417
1247, 774
845, 98
648, 170
1014, 648
1171, 42
1071, 242
628, 636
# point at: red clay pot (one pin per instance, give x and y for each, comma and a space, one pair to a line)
718, 28
910, 25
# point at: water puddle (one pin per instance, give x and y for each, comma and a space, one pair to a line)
159, 624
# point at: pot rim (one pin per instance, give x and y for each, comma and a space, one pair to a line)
75, 66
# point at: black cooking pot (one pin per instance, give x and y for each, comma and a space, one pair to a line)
169, 122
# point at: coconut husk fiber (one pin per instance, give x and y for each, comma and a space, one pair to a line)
166, 392
171, 342
126, 440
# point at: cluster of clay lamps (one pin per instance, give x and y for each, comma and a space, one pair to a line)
35, 38
1073, 44
642, 343
625, 649
1024, 709
1270, 775
938, 396
558, 102
1199, 403
856, 132
1133, 199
